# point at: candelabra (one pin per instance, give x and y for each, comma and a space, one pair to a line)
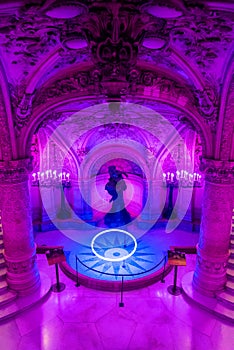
50, 178
183, 177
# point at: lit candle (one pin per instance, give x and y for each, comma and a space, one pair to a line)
55, 174
177, 175
38, 175
34, 176
172, 177
182, 174
47, 174
50, 172
60, 176
64, 174
42, 176
168, 176
164, 177
68, 177
195, 176
185, 175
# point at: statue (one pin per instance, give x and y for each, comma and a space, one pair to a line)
115, 186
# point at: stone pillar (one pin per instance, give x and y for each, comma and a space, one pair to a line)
213, 247
19, 247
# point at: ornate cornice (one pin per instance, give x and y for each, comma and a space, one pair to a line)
217, 171
15, 171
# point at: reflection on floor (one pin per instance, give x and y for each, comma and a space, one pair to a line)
81, 318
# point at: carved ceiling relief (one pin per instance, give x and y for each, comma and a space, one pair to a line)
115, 36
203, 35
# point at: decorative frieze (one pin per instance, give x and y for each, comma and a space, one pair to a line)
15, 171
217, 171
19, 267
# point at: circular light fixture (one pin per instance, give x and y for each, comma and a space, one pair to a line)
153, 43
163, 11
65, 11
113, 254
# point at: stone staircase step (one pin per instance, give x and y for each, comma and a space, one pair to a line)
1, 243
231, 263
1, 253
3, 274
226, 299
2, 262
230, 287
7, 297
232, 243
231, 253
3, 287
230, 274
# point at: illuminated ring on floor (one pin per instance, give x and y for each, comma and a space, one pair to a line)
114, 250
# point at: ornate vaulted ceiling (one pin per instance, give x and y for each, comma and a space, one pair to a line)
178, 48
171, 34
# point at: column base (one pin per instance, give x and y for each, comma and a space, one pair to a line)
22, 275
210, 273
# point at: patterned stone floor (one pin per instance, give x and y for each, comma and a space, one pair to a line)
85, 319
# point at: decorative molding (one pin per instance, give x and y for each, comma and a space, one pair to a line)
15, 171
216, 171
20, 267
212, 266
5, 144
82, 82
115, 33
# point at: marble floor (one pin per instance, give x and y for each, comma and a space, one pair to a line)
85, 319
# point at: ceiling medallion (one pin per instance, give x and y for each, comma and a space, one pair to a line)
153, 42
163, 11
65, 11
75, 41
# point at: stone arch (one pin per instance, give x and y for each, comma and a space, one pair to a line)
188, 117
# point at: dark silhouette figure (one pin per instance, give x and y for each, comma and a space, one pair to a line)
115, 186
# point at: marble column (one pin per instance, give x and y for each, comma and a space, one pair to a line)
213, 247
19, 246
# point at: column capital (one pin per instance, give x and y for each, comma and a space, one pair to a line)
218, 171
15, 171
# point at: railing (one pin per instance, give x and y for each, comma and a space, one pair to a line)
122, 275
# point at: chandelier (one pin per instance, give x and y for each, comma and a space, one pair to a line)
182, 177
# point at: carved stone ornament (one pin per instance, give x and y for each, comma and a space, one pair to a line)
19, 267
114, 32
220, 172
15, 171
82, 82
